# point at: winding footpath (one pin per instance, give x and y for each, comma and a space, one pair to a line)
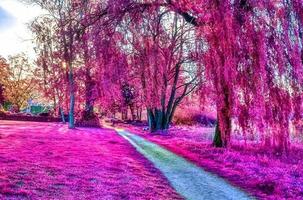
189, 180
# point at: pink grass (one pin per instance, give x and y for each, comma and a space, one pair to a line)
48, 161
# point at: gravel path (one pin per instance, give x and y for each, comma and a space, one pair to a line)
189, 180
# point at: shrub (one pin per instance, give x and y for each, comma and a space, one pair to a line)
193, 116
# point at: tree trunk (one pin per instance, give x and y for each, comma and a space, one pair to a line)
1, 95
151, 120
217, 141
88, 113
62, 114
132, 111
124, 113
157, 120
71, 124
223, 132
139, 113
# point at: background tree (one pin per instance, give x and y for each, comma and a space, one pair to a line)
70, 23
66, 17
3, 78
20, 83
52, 74
163, 52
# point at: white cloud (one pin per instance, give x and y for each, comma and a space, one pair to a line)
16, 37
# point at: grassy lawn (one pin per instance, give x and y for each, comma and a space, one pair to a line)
49, 161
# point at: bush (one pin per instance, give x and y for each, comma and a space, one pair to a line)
44, 114
90, 123
205, 120
24, 117
2, 113
193, 117
184, 119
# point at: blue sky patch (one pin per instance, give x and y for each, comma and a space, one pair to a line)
6, 19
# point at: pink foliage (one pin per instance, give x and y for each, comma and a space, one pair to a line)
253, 63
247, 53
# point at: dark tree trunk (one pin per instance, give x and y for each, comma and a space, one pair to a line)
124, 113
1, 95
217, 138
61, 112
132, 111
71, 118
158, 120
151, 120
223, 132
88, 113
139, 113
2, 99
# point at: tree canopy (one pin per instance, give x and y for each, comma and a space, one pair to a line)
246, 56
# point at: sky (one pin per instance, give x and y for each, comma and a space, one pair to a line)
15, 37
